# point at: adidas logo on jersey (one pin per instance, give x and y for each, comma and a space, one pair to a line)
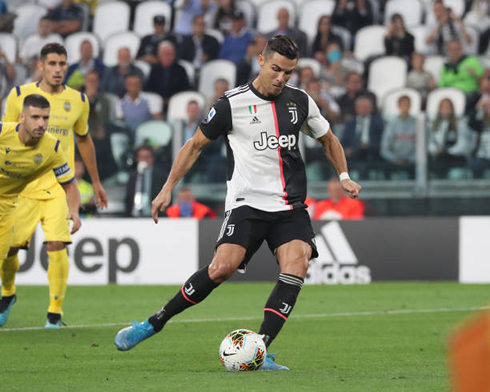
273, 142
337, 262
255, 120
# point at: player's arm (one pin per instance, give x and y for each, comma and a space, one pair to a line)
185, 159
335, 154
87, 151
73, 201
12, 109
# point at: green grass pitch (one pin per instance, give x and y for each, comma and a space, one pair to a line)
378, 337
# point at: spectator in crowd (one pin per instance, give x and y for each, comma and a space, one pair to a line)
480, 123
194, 116
354, 85
114, 79
189, 9
75, 75
362, 135
188, 207
249, 67
87, 199
220, 86
284, 28
324, 36
399, 137
450, 140
462, 72
306, 75
6, 18
325, 102
352, 14
34, 73
144, 183
7, 75
199, 47
167, 77
398, 41
222, 21
92, 4
67, 18
135, 105
338, 206
476, 99
447, 27
418, 78
236, 41
334, 73
31, 45
148, 49
483, 44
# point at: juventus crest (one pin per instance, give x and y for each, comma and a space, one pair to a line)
294, 114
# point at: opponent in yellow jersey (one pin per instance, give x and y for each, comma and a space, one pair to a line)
26, 154
43, 200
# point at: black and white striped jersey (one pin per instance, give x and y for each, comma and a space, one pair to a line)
265, 167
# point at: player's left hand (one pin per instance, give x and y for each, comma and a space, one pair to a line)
77, 223
100, 195
351, 188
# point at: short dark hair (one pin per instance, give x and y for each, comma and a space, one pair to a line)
35, 100
133, 75
52, 47
282, 44
404, 98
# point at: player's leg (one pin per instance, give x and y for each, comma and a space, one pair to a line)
57, 232
8, 285
225, 262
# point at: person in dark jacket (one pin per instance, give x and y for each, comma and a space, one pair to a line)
398, 41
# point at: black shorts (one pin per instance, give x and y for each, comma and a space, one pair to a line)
249, 227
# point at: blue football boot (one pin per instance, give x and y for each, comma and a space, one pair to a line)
129, 337
50, 325
270, 364
4, 316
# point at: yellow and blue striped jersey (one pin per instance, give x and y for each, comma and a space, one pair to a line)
69, 113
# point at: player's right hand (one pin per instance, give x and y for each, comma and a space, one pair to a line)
160, 203
77, 223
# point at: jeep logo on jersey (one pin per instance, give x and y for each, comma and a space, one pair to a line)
273, 142
337, 262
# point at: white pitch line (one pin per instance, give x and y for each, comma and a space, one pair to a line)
300, 316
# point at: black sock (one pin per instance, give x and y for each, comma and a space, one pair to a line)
279, 306
54, 317
5, 302
196, 289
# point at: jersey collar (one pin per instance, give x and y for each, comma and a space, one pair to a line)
264, 97
37, 84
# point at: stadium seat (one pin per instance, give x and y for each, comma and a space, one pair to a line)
115, 112
369, 42
213, 70
155, 102
216, 34
345, 35
144, 66
27, 20
267, 15
472, 49
419, 33
248, 9
484, 61
433, 65
190, 71
155, 133
410, 10
117, 41
258, 3
477, 19
120, 146
310, 13
353, 65
111, 18
49, 4
310, 62
144, 13
8, 45
73, 42
435, 97
177, 105
457, 6
385, 74
389, 104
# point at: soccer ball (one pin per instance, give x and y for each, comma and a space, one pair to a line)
242, 350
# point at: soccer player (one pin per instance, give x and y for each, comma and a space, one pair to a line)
261, 122
43, 200
26, 153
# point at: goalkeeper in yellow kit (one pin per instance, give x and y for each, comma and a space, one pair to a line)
43, 200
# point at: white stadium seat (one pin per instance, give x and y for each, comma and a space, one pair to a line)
456, 96
385, 74
111, 18
345, 35
248, 9
156, 133
472, 49
419, 33
390, 101
477, 19
177, 105
410, 10
144, 13
8, 45
312, 63
213, 70
216, 34
190, 71
27, 20
73, 42
310, 13
120, 40
433, 65
267, 15
155, 102
369, 42
145, 68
